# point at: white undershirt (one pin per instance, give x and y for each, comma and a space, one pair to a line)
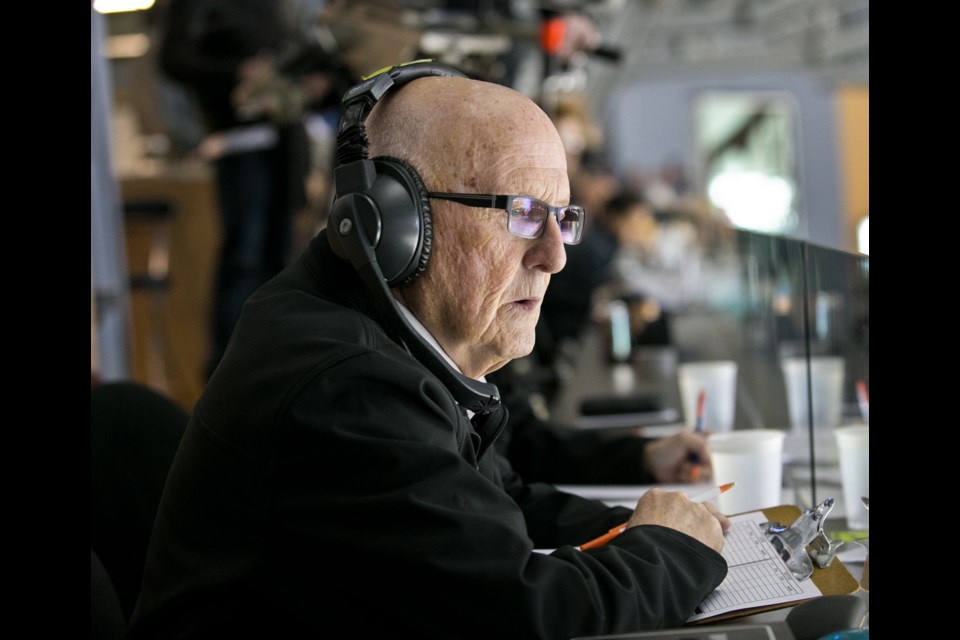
423, 331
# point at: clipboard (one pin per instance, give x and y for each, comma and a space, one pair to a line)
832, 580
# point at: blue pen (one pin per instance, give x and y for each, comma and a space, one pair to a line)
698, 428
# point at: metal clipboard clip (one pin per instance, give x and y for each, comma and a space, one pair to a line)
792, 542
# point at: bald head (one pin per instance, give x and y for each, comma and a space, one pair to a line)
481, 290
464, 135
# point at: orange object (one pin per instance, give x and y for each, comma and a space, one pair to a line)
863, 400
620, 528
694, 458
605, 538
695, 473
552, 33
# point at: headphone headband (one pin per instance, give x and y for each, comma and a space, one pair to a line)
360, 99
377, 83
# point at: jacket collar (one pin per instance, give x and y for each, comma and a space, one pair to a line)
335, 279
489, 426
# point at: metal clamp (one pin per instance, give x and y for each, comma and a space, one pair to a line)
791, 541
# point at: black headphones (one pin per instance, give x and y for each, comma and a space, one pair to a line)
386, 194
380, 221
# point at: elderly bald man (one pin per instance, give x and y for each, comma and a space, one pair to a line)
337, 479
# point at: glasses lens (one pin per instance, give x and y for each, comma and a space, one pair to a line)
571, 223
527, 216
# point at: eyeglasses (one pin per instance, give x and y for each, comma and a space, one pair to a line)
526, 216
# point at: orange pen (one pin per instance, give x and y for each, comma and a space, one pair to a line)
617, 530
605, 538
863, 400
694, 458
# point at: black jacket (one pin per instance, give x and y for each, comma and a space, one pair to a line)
329, 486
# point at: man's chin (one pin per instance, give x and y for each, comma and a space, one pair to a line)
523, 348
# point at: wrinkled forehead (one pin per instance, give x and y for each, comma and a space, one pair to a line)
550, 184
511, 155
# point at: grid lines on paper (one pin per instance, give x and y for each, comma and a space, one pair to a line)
754, 571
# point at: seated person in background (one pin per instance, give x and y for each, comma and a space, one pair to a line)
337, 477
626, 220
540, 449
637, 229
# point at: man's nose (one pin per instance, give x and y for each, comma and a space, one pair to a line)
547, 252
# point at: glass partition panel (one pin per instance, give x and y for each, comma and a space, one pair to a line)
751, 303
752, 306
838, 369
791, 316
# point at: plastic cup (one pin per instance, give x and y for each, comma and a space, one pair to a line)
853, 451
718, 378
753, 458
826, 382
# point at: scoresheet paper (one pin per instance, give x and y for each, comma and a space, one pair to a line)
756, 575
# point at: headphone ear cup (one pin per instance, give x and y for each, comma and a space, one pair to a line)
404, 246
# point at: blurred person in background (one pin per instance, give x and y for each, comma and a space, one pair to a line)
232, 57
516, 43
624, 222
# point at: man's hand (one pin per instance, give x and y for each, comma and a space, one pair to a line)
674, 509
667, 459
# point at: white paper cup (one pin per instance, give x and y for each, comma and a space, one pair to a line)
826, 382
718, 378
853, 451
753, 458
